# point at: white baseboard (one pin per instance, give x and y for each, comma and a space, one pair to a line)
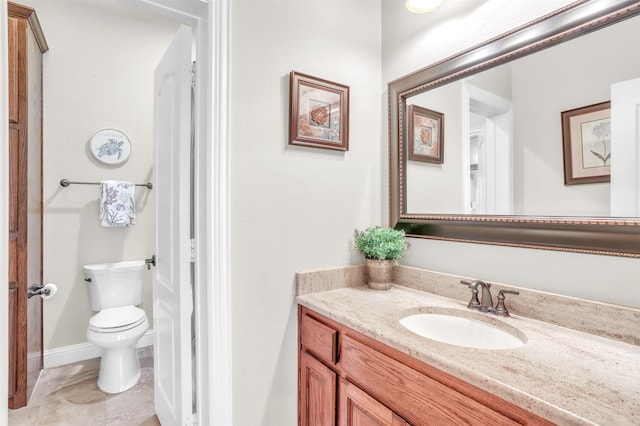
83, 351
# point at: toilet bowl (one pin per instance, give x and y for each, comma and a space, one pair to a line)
114, 290
116, 331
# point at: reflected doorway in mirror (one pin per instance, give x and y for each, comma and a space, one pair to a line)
488, 155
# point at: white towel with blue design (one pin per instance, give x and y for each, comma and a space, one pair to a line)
117, 203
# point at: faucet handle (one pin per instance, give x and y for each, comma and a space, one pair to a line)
501, 310
474, 303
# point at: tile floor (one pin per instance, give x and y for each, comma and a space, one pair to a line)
68, 396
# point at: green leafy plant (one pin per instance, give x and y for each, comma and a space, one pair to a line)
381, 243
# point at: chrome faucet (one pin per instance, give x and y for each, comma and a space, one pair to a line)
485, 304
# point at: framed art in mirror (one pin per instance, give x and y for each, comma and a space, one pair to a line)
318, 113
586, 142
425, 135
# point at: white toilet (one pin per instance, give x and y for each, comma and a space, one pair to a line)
114, 291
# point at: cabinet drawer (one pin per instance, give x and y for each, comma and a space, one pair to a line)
416, 397
319, 339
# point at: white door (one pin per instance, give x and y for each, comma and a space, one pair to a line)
172, 283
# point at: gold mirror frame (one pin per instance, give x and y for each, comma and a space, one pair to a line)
597, 235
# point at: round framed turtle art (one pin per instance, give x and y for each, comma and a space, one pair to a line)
110, 146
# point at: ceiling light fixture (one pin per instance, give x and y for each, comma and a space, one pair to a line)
423, 6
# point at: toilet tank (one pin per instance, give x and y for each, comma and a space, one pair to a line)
114, 284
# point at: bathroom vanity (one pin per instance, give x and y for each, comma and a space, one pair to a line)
374, 381
357, 363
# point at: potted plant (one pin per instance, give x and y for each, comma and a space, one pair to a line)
381, 247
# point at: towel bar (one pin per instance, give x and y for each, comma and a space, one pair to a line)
67, 182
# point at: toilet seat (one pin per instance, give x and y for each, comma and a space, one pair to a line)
114, 320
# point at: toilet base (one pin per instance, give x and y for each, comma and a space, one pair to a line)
119, 366
119, 369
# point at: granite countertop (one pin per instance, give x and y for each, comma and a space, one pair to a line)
566, 376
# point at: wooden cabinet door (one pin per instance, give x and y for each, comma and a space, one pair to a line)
357, 408
317, 389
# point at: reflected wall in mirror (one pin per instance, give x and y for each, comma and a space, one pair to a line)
502, 180
509, 118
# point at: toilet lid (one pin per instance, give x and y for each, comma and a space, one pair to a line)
112, 320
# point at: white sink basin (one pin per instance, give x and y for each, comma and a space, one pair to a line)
460, 331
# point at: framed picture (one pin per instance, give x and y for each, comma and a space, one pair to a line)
586, 143
318, 113
425, 135
110, 146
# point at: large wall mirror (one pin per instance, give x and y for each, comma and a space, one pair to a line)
495, 112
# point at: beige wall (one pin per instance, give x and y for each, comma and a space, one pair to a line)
293, 208
98, 74
540, 146
444, 191
412, 42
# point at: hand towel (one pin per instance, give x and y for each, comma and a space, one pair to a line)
117, 203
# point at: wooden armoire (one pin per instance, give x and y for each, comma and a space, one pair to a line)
26, 47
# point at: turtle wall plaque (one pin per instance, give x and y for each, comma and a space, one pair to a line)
110, 146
